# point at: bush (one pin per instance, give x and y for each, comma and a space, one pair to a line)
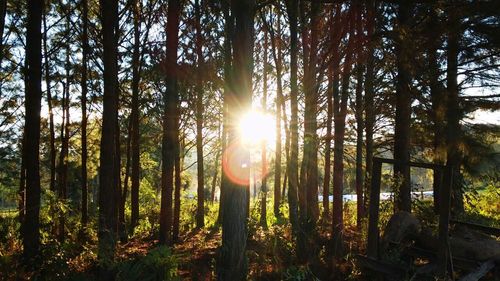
158, 264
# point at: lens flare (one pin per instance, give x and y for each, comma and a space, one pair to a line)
255, 127
236, 163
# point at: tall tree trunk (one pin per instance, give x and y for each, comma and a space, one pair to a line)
280, 104
216, 167
438, 99
228, 38
453, 113
369, 96
403, 109
293, 165
232, 264
136, 150
200, 210
308, 193
31, 147
328, 142
122, 231
83, 85
177, 178
359, 118
3, 13
52, 184
340, 111
108, 184
169, 139
263, 187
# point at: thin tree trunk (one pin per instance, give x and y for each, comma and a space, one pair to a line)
85, 54
216, 170
200, 210
403, 110
292, 168
52, 184
124, 192
328, 143
369, 96
136, 152
169, 140
453, 113
340, 111
263, 187
438, 100
108, 184
31, 147
359, 120
177, 179
3, 13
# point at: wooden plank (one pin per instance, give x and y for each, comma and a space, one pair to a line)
481, 271
443, 254
485, 229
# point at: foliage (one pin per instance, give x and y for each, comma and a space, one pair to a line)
158, 264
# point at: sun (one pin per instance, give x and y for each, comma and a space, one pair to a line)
256, 127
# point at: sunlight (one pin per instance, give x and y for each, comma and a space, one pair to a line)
256, 127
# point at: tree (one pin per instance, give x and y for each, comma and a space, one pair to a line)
293, 163
108, 170
403, 107
169, 139
84, 89
232, 264
31, 147
136, 152
200, 210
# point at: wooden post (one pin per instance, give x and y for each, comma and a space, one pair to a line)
444, 219
373, 231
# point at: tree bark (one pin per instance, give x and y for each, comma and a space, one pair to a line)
136, 150
200, 210
177, 179
359, 119
263, 187
31, 147
83, 85
438, 99
369, 96
232, 264
453, 113
293, 164
169, 140
108, 183
52, 184
403, 109
340, 111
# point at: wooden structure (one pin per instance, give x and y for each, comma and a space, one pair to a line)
443, 258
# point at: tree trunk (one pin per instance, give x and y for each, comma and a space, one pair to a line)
403, 109
83, 85
232, 264
453, 113
369, 97
359, 120
340, 111
328, 141
293, 164
124, 193
31, 147
108, 184
438, 109
228, 37
200, 210
169, 140
263, 171
177, 179
308, 193
136, 150
52, 184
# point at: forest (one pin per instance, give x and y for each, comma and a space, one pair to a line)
250, 140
